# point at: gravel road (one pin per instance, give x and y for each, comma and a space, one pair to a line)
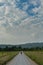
21, 59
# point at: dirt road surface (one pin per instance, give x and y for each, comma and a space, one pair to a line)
21, 59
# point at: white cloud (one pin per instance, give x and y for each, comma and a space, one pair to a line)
25, 6
36, 9
17, 26
2, 11
2, 0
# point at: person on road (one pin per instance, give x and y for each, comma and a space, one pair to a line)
21, 52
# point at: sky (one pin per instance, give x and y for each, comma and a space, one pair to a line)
21, 21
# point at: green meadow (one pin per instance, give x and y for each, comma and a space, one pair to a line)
37, 56
6, 56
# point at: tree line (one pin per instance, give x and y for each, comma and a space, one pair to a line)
19, 48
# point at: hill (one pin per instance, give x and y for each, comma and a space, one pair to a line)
22, 46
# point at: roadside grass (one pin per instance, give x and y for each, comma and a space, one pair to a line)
37, 56
7, 56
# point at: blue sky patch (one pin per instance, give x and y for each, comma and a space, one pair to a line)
2, 4
30, 7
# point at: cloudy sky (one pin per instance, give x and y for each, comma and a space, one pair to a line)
21, 21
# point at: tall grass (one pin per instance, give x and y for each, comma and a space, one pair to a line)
37, 56
6, 56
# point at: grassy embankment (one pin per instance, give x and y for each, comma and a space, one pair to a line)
6, 56
37, 56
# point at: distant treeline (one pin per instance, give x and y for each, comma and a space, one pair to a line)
14, 48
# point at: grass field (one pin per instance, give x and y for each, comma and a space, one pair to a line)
37, 56
6, 56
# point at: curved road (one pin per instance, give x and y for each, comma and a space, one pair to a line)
21, 59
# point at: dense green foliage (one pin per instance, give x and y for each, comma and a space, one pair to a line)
19, 48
